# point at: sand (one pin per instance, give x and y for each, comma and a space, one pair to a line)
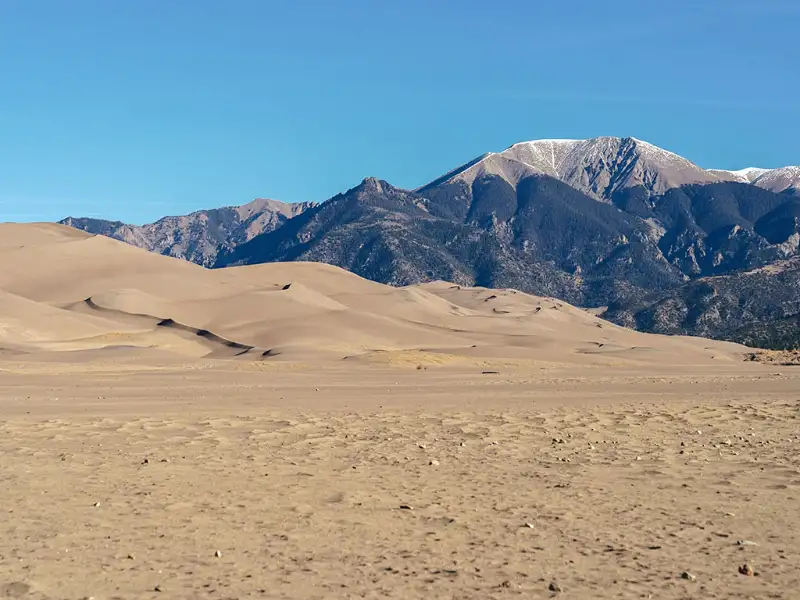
294, 431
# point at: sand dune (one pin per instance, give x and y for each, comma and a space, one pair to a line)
75, 291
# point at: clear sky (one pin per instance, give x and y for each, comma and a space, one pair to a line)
134, 109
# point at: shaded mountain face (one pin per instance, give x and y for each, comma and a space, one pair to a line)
200, 236
377, 231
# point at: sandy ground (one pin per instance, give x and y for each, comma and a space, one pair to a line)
293, 431
116, 485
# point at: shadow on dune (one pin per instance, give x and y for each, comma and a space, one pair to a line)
207, 335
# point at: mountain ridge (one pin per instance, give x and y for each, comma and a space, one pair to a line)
199, 236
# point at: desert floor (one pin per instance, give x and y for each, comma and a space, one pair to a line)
229, 480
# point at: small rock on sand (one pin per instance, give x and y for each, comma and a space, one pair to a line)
747, 570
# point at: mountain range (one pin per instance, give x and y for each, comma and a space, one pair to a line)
201, 235
641, 234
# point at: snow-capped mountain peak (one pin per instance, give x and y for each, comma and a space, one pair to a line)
597, 166
602, 166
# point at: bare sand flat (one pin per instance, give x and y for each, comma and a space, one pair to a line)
294, 431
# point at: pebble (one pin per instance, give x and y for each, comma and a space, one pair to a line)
434, 463
528, 525
747, 570
158, 588
688, 576
96, 504
554, 587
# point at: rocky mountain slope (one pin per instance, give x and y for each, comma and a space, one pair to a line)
608, 222
758, 308
199, 236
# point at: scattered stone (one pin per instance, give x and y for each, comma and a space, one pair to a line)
406, 507
158, 588
217, 554
146, 461
422, 446
554, 587
96, 504
747, 570
434, 463
528, 525
688, 576
638, 458
130, 557
745, 543
463, 444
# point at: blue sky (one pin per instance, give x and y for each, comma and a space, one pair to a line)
134, 109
